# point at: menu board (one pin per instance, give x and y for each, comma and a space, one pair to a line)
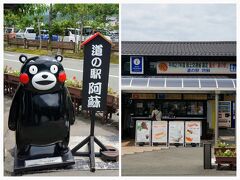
143, 131
159, 131
176, 132
192, 131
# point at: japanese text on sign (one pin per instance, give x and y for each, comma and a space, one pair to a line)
204, 67
94, 88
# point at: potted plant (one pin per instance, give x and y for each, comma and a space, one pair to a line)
225, 153
11, 80
111, 97
74, 87
223, 146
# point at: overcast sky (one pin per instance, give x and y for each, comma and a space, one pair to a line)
185, 22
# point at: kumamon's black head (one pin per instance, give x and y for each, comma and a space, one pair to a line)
42, 73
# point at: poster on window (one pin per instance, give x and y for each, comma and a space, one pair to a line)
143, 131
176, 132
159, 131
192, 131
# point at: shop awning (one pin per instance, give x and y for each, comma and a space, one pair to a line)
173, 85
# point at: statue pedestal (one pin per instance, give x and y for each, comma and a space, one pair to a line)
42, 158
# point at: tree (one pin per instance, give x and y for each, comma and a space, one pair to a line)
25, 15
79, 15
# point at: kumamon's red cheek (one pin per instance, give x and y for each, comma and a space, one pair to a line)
24, 78
62, 77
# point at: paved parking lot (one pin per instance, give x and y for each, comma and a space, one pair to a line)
181, 161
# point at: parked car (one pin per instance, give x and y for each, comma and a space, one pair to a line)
45, 36
87, 32
27, 33
11, 32
104, 32
71, 35
115, 36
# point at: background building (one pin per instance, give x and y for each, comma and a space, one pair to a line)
188, 80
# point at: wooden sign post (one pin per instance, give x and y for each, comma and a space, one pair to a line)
97, 50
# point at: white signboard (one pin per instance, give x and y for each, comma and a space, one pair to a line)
143, 131
191, 67
176, 132
192, 131
43, 161
159, 131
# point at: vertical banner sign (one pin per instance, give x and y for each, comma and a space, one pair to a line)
159, 131
95, 72
143, 131
136, 65
192, 131
176, 132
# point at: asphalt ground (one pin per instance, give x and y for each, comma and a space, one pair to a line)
181, 161
80, 129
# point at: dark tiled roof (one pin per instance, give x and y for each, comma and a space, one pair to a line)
178, 48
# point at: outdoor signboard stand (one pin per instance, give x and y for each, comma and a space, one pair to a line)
176, 133
143, 132
160, 133
97, 51
192, 133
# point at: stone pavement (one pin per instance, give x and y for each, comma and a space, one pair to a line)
108, 134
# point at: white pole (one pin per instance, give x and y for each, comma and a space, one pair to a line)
216, 119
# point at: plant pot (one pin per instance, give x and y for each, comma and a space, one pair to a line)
75, 92
110, 100
6, 76
11, 83
227, 160
13, 79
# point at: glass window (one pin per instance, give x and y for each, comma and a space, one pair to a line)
195, 108
87, 31
30, 31
182, 108
9, 30
174, 108
44, 31
66, 33
143, 108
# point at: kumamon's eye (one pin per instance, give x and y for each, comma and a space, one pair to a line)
33, 69
54, 69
